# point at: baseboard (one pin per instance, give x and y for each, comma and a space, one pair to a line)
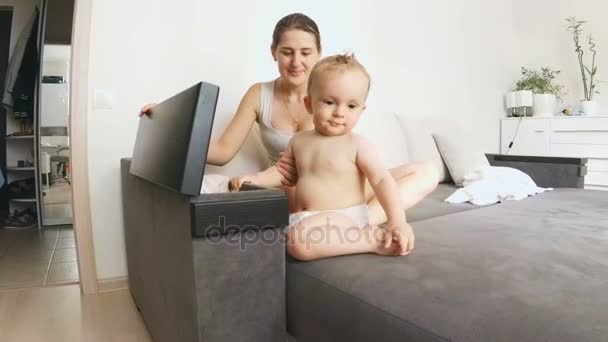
112, 284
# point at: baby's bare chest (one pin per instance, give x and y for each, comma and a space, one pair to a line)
333, 157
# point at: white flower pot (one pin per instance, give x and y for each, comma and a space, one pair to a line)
589, 107
544, 104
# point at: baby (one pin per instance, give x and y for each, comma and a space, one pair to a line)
332, 163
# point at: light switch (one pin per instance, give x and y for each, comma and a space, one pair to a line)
103, 99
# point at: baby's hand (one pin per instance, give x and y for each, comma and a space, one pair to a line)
237, 182
401, 234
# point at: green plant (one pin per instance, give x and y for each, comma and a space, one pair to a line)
588, 74
540, 82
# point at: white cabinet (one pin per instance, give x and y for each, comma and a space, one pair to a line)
532, 137
582, 137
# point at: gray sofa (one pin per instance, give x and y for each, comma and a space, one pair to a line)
530, 270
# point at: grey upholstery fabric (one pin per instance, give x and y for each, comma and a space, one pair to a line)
531, 270
159, 257
240, 286
214, 214
553, 172
433, 205
220, 288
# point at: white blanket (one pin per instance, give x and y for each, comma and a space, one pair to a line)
495, 184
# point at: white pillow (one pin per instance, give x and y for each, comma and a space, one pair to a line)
461, 155
384, 131
418, 133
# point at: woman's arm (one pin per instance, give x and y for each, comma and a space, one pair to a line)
225, 148
269, 178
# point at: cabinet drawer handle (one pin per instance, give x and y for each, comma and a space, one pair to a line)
539, 130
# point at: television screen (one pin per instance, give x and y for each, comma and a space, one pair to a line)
172, 141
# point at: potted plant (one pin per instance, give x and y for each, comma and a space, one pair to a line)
542, 84
588, 74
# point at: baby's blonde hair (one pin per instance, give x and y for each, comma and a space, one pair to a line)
345, 61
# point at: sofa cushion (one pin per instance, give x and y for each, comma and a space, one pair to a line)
434, 206
461, 155
384, 131
531, 270
420, 144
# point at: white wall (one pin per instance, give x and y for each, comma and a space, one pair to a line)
113, 60
147, 51
22, 12
445, 58
426, 58
544, 41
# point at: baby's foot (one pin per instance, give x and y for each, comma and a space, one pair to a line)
393, 249
377, 240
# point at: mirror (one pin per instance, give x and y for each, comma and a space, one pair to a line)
53, 128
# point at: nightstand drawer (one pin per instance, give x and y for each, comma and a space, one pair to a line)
591, 131
598, 165
579, 137
596, 187
592, 137
579, 124
596, 178
532, 137
597, 174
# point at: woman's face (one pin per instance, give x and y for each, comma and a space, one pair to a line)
296, 54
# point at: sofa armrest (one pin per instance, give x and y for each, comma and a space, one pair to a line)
226, 287
253, 208
555, 172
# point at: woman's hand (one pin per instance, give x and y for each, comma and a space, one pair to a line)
145, 110
237, 182
287, 168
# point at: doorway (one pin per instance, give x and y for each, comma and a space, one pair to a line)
37, 242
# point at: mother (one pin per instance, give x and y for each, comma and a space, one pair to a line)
278, 108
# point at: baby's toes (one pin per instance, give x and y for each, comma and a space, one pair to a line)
393, 249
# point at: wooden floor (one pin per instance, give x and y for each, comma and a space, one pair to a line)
63, 314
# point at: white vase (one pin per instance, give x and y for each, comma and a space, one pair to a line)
544, 104
589, 107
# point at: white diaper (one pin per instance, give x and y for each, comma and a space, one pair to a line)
359, 214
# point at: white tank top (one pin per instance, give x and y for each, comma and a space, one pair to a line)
274, 140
